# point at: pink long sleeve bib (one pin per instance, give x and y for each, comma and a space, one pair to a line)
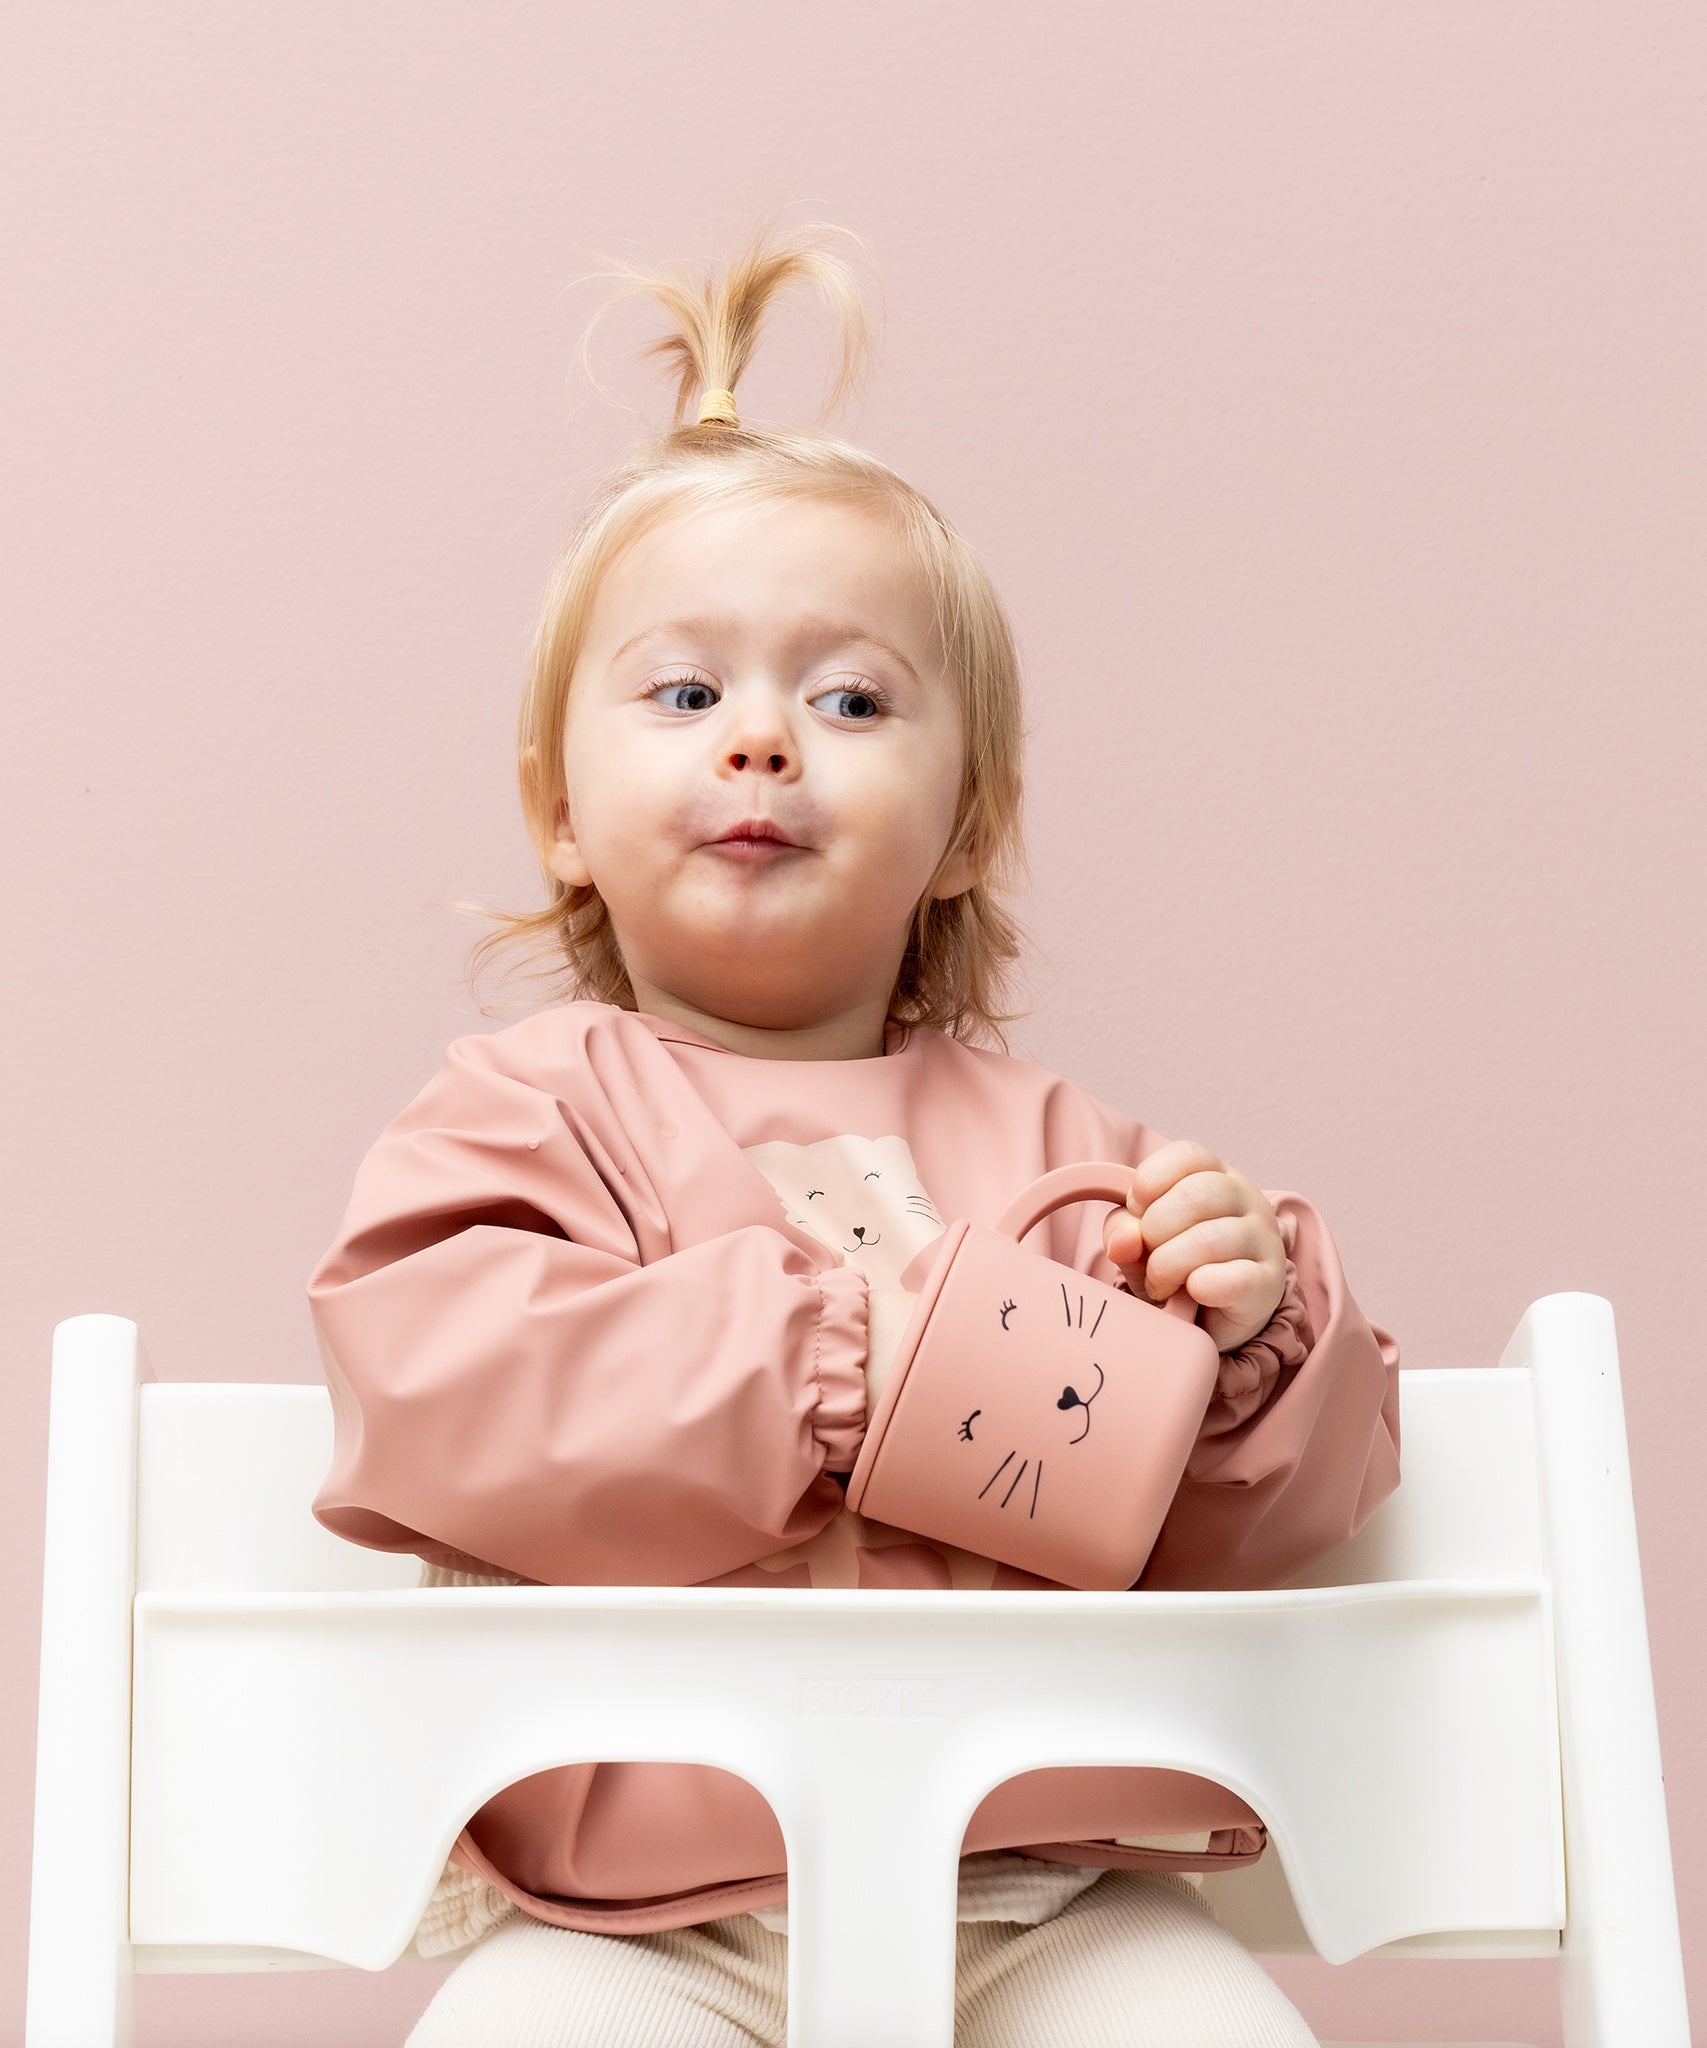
597, 1313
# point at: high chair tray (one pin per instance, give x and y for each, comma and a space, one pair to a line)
1379, 1725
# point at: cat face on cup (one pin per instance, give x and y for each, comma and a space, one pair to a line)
1032, 1420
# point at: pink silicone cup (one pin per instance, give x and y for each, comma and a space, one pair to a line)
921, 1467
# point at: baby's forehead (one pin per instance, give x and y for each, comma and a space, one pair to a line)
779, 568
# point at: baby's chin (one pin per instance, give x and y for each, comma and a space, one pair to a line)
750, 925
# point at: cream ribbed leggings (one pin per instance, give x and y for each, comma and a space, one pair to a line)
1135, 1961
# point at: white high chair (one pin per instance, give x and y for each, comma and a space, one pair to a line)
258, 1742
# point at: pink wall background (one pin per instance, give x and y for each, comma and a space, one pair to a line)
1322, 385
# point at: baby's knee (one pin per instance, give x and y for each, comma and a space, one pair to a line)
532, 1985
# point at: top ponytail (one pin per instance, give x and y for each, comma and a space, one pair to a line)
961, 948
717, 322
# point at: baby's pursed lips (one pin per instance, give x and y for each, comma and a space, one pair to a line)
759, 828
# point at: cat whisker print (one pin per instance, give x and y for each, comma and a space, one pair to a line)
1071, 1399
1037, 1480
1068, 1306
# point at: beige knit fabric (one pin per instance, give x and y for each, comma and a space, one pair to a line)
1137, 1960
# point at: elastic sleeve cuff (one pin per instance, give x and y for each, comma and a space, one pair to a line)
839, 1363
1252, 1372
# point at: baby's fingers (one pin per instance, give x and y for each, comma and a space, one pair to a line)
1219, 1241
1227, 1283
1123, 1237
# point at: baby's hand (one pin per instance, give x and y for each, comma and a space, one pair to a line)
1206, 1228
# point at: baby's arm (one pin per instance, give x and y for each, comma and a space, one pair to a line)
1300, 1443
512, 1386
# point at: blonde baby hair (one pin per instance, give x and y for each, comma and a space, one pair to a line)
961, 949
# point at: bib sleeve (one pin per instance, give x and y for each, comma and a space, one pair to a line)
519, 1382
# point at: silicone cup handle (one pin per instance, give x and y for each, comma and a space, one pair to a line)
1089, 1180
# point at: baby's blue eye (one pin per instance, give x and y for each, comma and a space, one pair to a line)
683, 683
870, 696
869, 692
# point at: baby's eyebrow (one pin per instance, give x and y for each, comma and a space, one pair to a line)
819, 631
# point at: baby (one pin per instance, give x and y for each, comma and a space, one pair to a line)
614, 1295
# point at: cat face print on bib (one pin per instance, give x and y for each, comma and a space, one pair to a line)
860, 1196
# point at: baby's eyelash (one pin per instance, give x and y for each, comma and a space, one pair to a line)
673, 683
859, 688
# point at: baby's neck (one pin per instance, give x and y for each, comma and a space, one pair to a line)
856, 1034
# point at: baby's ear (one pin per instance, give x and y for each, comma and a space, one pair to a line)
959, 876
563, 858
561, 851
549, 818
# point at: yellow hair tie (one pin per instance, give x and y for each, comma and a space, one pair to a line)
718, 405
